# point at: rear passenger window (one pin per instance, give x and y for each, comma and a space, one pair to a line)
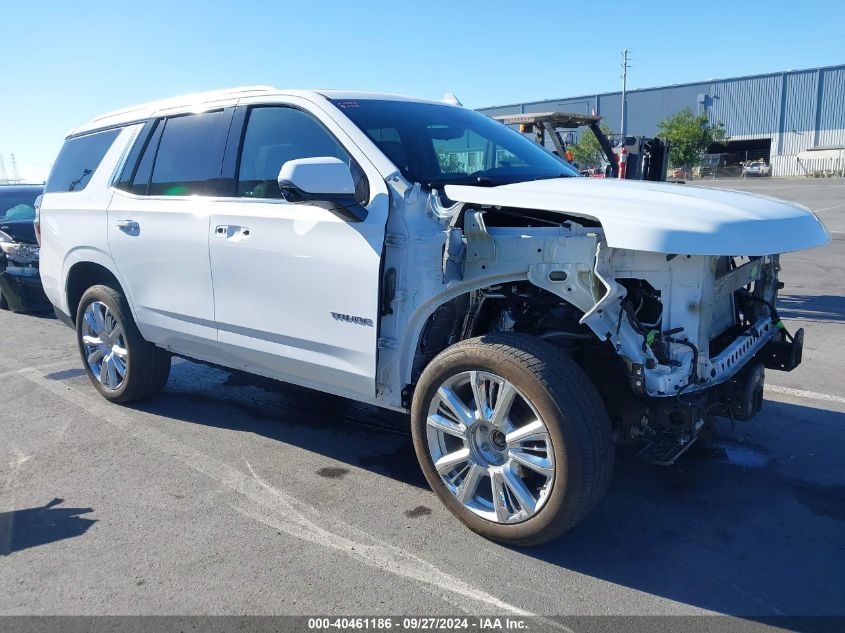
78, 160
275, 135
189, 155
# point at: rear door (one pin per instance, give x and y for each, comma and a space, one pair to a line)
296, 286
158, 225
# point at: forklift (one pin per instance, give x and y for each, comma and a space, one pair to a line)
631, 158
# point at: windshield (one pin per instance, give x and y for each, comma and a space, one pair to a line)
18, 205
436, 144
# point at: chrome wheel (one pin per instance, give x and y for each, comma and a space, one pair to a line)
490, 447
104, 342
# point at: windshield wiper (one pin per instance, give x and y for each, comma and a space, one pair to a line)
487, 181
560, 175
481, 181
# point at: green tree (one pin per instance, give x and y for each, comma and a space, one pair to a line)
587, 152
450, 164
689, 136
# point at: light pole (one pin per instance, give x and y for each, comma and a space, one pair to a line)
623, 127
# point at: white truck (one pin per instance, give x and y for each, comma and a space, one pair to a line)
422, 257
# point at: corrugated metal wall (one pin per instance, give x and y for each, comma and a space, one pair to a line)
647, 107
798, 110
746, 107
832, 112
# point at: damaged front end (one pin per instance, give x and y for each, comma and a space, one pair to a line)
671, 341
695, 334
678, 339
20, 283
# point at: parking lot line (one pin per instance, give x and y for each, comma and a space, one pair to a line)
800, 393
57, 365
275, 508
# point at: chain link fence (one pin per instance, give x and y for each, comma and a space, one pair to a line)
743, 164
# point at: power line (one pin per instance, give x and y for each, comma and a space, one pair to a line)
13, 177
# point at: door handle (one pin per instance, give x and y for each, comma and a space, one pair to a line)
130, 227
231, 231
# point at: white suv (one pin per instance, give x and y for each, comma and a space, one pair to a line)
421, 257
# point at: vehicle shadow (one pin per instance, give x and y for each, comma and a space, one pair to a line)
22, 529
812, 308
752, 526
351, 432
47, 315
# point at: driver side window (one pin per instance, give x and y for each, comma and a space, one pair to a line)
275, 135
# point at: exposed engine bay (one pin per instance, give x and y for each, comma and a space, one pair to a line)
670, 340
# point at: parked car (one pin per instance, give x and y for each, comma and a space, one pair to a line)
421, 257
20, 285
755, 168
593, 172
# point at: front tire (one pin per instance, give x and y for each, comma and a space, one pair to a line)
512, 436
119, 362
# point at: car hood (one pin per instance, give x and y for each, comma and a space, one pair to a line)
664, 217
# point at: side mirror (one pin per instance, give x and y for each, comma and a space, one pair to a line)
326, 181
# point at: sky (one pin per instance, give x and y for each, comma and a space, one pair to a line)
66, 62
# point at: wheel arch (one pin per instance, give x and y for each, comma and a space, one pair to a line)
86, 267
420, 319
422, 315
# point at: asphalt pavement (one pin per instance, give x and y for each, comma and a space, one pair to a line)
228, 495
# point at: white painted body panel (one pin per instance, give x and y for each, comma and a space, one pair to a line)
73, 225
665, 217
276, 288
325, 175
166, 265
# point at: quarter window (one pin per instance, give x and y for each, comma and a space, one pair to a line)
78, 160
275, 135
136, 174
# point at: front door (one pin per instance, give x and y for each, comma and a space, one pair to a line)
296, 286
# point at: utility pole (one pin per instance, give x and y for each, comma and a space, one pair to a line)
16, 175
623, 127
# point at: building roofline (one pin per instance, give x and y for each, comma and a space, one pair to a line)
591, 95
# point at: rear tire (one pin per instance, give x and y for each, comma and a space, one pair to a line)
119, 362
564, 458
4, 305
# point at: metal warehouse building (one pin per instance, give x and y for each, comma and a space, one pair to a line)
794, 119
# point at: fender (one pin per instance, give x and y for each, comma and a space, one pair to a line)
91, 255
419, 318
